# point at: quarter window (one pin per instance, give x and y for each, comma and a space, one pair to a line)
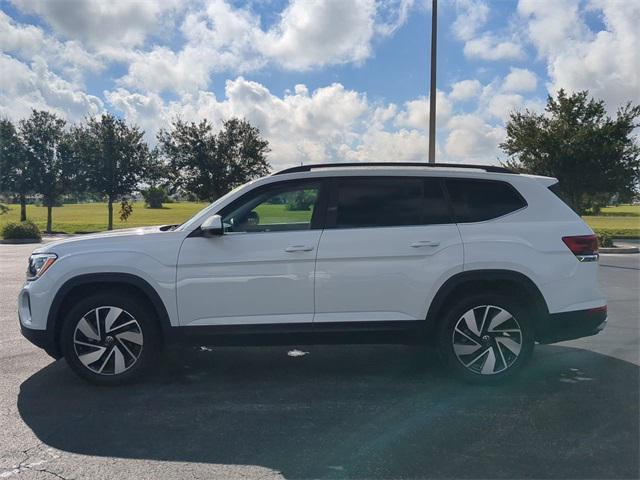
479, 200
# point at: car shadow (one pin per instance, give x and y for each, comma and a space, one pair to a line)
355, 411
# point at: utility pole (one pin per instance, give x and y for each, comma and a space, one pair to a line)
432, 90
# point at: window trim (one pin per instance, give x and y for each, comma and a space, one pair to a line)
332, 204
485, 180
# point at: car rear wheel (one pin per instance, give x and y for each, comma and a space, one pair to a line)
486, 338
109, 339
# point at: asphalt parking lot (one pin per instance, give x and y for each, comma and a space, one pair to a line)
338, 412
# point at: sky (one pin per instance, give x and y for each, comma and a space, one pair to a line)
324, 80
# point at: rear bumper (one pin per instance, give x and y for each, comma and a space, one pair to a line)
559, 327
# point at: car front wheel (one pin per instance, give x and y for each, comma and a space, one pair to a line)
109, 339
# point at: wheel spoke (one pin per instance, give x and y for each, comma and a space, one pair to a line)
462, 349
499, 319
466, 336
470, 319
489, 363
105, 361
475, 359
87, 330
88, 358
112, 316
133, 337
510, 344
484, 319
123, 326
118, 366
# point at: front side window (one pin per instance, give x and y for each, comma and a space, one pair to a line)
389, 202
280, 208
479, 200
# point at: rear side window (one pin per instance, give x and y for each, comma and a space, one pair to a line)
478, 200
388, 201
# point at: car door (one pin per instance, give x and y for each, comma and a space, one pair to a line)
387, 245
260, 270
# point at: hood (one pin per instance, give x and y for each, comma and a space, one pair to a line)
99, 238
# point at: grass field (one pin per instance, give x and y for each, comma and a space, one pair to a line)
621, 221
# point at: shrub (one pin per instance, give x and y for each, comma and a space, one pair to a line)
154, 197
301, 200
15, 230
604, 239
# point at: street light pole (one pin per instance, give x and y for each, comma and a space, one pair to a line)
432, 90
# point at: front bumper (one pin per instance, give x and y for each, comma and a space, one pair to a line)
43, 338
560, 327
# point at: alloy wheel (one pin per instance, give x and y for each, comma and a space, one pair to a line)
487, 340
108, 340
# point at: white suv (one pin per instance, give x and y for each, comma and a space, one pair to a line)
478, 260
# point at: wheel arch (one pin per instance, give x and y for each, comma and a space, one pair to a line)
88, 283
503, 281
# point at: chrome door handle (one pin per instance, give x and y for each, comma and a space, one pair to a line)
299, 248
425, 243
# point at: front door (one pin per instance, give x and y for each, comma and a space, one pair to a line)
261, 270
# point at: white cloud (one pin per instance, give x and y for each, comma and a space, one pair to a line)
502, 105
320, 33
416, 112
520, 80
472, 14
97, 22
490, 47
23, 87
471, 139
604, 62
28, 42
465, 90
222, 37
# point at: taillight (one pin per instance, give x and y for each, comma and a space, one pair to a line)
584, 247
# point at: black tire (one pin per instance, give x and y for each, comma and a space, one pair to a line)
94, 339
478, 355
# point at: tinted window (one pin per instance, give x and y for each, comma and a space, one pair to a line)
387, 202
478, 200
282, 208
435, 208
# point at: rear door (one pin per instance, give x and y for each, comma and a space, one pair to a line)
387, 245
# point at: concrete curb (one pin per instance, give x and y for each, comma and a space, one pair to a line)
19, 241
619, 250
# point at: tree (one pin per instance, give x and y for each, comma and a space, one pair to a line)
593, 155
47, 151
115, 159
15, 173
207, 164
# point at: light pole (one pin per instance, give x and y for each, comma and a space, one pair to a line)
432, 89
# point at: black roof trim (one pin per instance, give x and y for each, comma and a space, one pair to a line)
308, 168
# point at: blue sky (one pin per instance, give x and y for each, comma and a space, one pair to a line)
325, 80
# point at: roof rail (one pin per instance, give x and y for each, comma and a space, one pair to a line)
308, 168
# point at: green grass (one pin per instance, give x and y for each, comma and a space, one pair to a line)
92, 217
621, 221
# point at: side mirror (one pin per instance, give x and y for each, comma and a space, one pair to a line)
212, 226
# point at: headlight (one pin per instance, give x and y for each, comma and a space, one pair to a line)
39, 263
